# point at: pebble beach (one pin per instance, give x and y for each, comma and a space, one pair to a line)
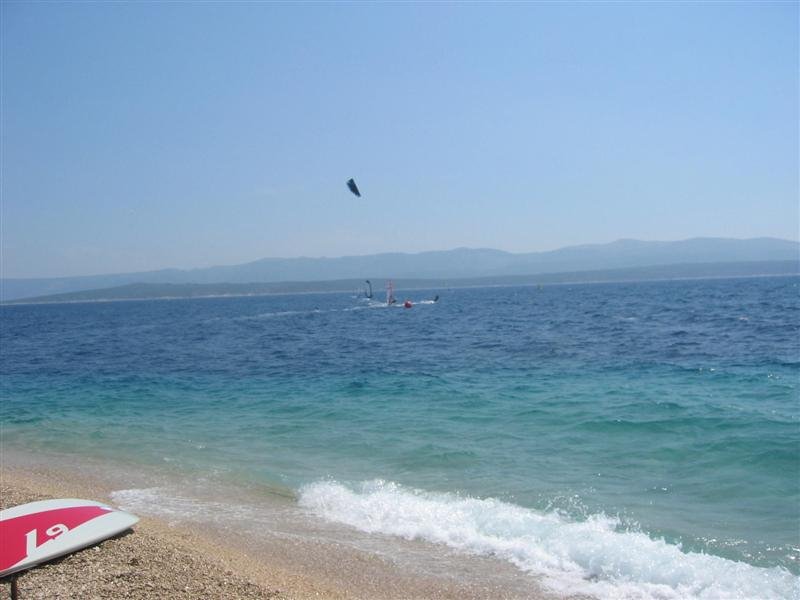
157, 559
153, 560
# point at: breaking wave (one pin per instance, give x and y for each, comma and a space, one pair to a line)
591, 557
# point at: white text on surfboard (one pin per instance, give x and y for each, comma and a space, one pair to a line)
52, 532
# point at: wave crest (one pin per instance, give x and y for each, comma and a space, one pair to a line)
590, 557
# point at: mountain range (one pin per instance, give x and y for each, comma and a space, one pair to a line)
458, 264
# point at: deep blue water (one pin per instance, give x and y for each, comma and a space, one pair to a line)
670, 409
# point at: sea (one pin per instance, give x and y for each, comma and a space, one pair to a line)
618, 440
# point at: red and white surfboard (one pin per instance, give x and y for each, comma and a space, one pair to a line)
39, 531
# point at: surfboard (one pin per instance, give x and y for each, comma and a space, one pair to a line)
36, 532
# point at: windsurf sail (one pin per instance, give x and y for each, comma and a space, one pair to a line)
351, 184
390, 293
369, 293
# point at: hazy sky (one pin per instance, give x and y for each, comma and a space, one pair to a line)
142, 136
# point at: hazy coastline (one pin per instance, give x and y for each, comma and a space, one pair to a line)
623, 260
682, 272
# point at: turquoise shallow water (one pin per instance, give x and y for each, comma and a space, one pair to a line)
662, 416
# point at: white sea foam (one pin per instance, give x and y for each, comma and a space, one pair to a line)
591, 557
164, 503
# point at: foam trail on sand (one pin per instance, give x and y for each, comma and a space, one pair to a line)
590, 557
171, 506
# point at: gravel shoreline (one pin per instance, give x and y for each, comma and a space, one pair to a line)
154, 560
157, 559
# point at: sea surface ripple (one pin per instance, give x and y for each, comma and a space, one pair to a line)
535, 421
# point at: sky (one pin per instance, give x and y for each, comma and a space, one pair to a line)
140, 136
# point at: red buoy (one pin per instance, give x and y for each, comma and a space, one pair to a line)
407, 304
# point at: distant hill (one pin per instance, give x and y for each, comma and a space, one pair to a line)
460, 263
148, 291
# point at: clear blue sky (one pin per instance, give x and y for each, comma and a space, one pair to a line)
142, 136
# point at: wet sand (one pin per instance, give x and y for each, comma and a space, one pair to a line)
160, 560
